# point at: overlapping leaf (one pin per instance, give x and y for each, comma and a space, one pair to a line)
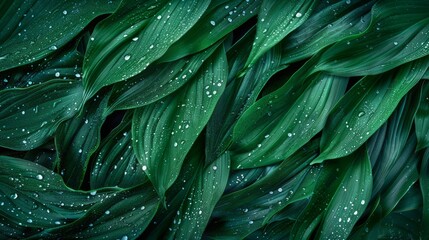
31, 29
163, 132
422, 118
28, 117
139, 34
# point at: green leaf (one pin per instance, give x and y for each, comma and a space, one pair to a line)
323, 28
132, 38
277, 19
116, 163
398, 128
66, 64
422, 118
124, 215
32, 30
424, 185
77, 139
341, 195
156, 82
36, 198
164, 131
399, 33
280, 123
365, 108
195, 212
220, 19
239, 95
244, 211
28, 117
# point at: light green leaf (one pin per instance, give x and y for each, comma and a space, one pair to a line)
116, 164
136, 35
156, 82
31, 29
196, 210
399, 33
422, 118
164, 131
365, 108
28, 117
341, 195
77, 139
276, 19
323, 28
220, 19
280, 123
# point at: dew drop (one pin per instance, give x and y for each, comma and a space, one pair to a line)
289, 134
213, 23
362, 202
298, 15
107, 212
29, 220
360, 114
396, 43
144, 167
53, 48
355, 213
57, 74
39, 177
124, 237
127, 57
93, 193
65, 12
135, 39
215, 168
14, 196
57, 222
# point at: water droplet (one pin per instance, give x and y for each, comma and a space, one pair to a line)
57, 222
348, 2
23, 112
124, 238
39, 177
396, 43
200, 212
267, 136
53, 48
127, 57
107, 212
280, 189
65, 12
175, 144
57, 74
93, 192
213, 23
289, 134
362, 202
144, 167
80, 150
29, 220
360, 114
159, 17
355, 213
14, 196
215, 168
23, 141
298, 15
250, 222
135, 39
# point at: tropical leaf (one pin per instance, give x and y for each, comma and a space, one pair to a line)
29, 116
174, 123
422, 119
365, 108
133, 43
32, 30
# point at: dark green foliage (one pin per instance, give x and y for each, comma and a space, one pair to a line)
214, 119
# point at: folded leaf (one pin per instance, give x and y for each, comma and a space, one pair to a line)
280, 123
424, 185
220, 19
365, 108
31, 30
276, 19
399, 33
136, 35
37, 199
422, 118
77, 139
156, 82
28, 117
323, 28
116, 163
341, 195
196, 210
164, 131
